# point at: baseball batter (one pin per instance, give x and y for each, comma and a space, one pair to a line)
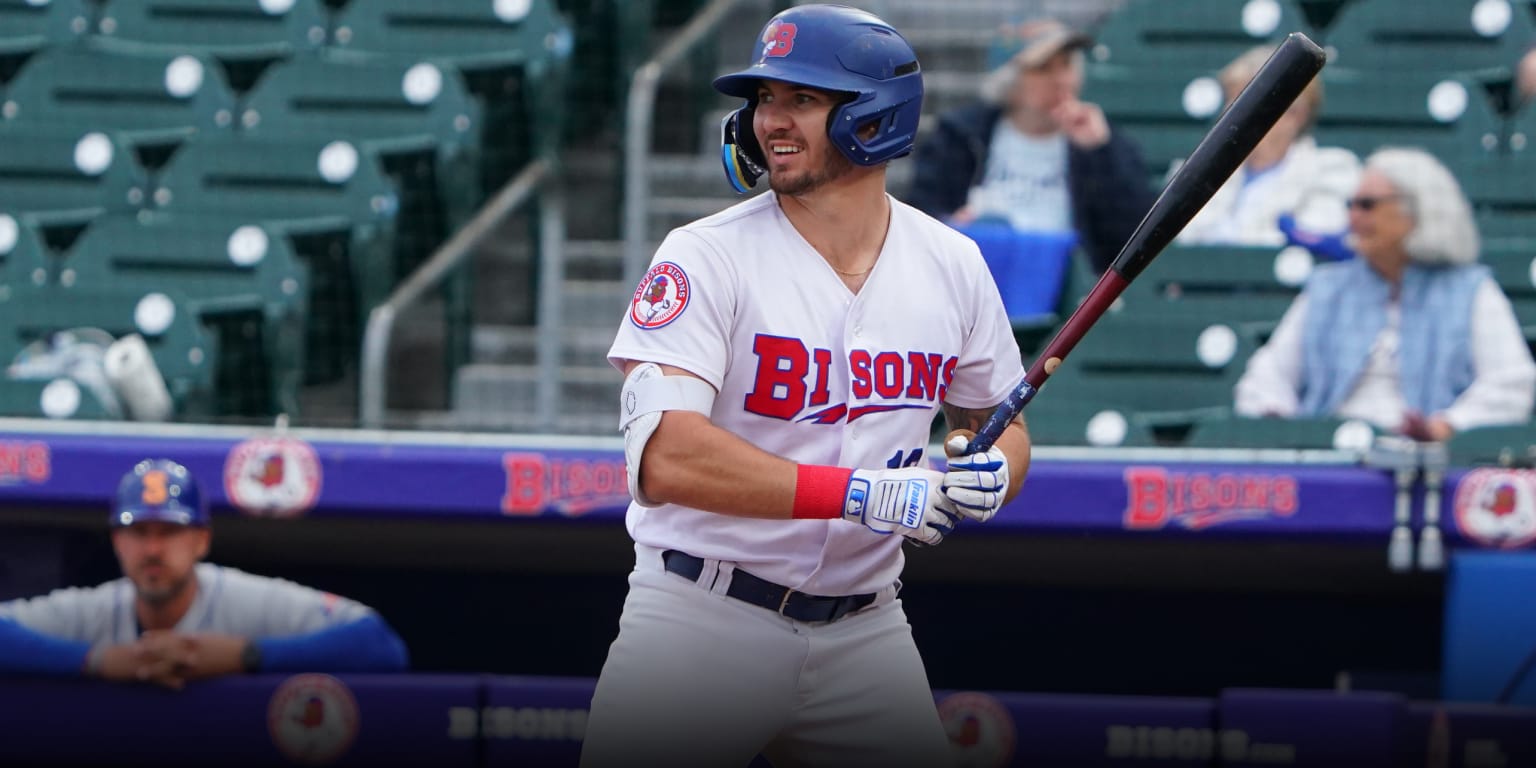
784, 362
172, 618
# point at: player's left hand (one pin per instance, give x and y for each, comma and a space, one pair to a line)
975, 483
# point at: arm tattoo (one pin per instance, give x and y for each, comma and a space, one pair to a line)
965, 418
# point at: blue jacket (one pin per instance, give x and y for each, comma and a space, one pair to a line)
1109, 186
1346, 310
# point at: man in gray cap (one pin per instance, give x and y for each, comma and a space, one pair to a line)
1032, 154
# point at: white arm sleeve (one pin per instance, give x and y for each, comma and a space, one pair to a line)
1504, 376
1271, 383
81, 615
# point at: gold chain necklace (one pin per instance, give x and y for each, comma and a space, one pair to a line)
866, 271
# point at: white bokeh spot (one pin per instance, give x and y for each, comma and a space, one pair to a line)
1353, 435
1106, 428
511, 11
1447, 101
422, 84
60, 399
247, 245
1202, 97
276, 7
1216, 346
1491, 18
338, 161
154, 314
1261, 17
93, 154
9, 233
183, 76
1293, 265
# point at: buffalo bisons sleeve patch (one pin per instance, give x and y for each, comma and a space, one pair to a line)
661, 296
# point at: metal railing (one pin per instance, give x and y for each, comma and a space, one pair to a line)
373, 384
639, 118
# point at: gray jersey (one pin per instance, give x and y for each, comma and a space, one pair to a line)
228, 601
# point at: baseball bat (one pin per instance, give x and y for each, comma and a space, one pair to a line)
1237, 131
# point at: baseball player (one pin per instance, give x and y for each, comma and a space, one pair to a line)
172, 618
776, 410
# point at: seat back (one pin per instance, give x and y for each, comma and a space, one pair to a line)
1166, 109
1431, 35
223, 28
27, 25
1193, 33
65, 170
94, 88
183, 351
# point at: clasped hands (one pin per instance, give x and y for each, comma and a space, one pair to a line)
925, 505
169, 658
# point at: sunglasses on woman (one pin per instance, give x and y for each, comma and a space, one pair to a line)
1368, 204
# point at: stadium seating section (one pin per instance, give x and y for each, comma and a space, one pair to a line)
274, 168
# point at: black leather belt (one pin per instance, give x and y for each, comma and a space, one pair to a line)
766, 594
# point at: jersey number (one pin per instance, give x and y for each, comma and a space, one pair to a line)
911, 460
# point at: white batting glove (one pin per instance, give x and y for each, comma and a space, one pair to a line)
905, 501
975, 483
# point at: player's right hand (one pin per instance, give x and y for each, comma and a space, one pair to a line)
907, 501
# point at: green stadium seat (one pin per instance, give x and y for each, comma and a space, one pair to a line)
153, 93
1057, 421
67, 399
258, 180
1193, 33
183, 350
1232, 431
1434, 35
27, 26
1510, 445
361, 99
1502, 189
1166, 109
23, 250
225, 29
1169, 371
80, 171
247, 283
1448, 115
1241, 285
515, 64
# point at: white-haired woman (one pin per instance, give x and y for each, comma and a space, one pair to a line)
1286, 175
1413, 336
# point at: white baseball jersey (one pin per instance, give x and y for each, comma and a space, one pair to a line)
808, 370
228, 601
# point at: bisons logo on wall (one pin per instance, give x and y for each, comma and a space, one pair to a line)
980, 729
272, 476
313, 718
1497, 507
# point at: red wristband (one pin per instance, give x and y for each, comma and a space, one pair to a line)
820, 492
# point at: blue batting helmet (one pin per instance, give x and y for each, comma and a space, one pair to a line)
833, 48
158, 490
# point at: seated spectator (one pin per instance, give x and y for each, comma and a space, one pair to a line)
1413, 336
1287, 174
172, 618
1032, 154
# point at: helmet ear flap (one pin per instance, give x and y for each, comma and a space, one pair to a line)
739, 151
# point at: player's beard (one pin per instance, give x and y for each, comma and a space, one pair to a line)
833, 166
165, 590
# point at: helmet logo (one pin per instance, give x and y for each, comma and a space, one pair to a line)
154, 487
778, 39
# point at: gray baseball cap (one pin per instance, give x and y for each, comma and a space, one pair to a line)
1032, 43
